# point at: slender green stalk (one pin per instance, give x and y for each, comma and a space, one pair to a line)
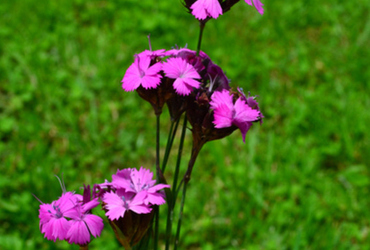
180, 216
157, 167
158, 174
177, 170
171, 137
171, 206
202, 24
197, 146
84, 247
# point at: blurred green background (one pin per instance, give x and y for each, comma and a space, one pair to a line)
301, 180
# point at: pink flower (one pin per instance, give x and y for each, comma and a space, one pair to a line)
202, 9
118, 203
84, 223
184, 73
141, 73
226, 113
69, 217
53, 223
136, 181
257, 4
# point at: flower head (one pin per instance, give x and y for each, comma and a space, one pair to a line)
83, 223
183, 73
202, 9
228, 113
133, 190
141, 73
69, 218
118, 203
53, 222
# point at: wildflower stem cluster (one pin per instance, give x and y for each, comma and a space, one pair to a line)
192, 86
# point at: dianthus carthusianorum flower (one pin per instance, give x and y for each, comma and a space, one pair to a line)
53, 222
202, 9
118, 203
83, 223
69, 218
184, 73
134, 190
228, 113
141, 73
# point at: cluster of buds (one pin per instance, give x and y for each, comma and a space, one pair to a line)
69, 218
190, 82
206, 9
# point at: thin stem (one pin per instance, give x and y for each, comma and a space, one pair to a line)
171, 137
84, 247
156, 228
157, 167
171, 206
180, 216
168, 147
158, 174
202, 24
197, 146
177, 170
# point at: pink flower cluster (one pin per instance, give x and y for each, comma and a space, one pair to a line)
203, 9
198, 78
69, 218
143, 72
131, 189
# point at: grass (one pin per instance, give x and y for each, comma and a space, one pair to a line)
302, 179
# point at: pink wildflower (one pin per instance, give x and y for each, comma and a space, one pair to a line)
118, 203
53, 223
84, 223
202, 9
184, 73
136, 181
141, 73
257, 4
226, 113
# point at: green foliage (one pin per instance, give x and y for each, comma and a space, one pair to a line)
302, 178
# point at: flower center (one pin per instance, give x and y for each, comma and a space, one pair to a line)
58, 214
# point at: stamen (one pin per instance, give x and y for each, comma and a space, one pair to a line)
211, 82
150, 44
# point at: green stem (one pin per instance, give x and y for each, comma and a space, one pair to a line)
157, 167
180, 217
171, 137
194, 154
158, 174
202, 24
174, 195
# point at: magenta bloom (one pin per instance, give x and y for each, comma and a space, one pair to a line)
202, 9
184, 73
226, 113
257, 4
141, 73
136, 181
69, 218
118, 203
84, 223
53, 223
